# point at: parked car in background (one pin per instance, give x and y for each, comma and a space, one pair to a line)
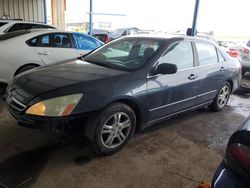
122, 32
7, 26
234, 170
106, 36
26, 49
244, 57
102, 37
128, 84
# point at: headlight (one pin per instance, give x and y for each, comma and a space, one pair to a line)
60, 106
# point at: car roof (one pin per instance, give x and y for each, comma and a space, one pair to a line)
32, 33
168, 36
20, 21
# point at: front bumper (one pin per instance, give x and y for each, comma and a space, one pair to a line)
226, 178
51, 124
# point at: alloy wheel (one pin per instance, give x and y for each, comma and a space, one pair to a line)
223, 96
116, 130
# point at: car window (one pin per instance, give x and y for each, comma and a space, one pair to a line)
25, 26
84, 42
32, 42
13, 35
180, 54
55, 40
207, 53
3, 23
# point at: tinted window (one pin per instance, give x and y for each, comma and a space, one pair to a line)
56, 40
125, 54
180, 54
3, 23
32, 42
12, 35
84, 42
25, 26
207, 53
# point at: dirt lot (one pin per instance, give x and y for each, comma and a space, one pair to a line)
180, 152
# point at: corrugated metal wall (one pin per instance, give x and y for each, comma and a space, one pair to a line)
29, 10
58, 16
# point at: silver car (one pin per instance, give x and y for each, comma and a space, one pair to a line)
7, 26
244, 57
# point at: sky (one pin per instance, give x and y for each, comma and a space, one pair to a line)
223, 17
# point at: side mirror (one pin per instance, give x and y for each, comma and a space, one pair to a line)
166, 68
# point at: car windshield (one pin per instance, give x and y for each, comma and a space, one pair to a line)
125, 54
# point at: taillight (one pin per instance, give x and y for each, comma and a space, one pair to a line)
240, 154
233, 53
107, 39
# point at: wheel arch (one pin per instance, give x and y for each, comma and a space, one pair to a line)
231, 84
28, 64
132, 104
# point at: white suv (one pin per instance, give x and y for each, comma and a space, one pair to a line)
7, 26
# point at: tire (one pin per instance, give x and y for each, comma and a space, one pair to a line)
2, 88
25, 68
106, 135
221, 98
243, 73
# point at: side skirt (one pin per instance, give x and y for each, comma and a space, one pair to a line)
145, 125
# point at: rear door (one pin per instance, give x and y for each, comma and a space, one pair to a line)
171, 93
54, 47
212, 71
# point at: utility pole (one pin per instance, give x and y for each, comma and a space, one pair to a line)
196, 10
90, 17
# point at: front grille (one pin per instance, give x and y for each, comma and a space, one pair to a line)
15, 104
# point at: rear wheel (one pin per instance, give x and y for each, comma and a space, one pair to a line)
221, 98
111, 129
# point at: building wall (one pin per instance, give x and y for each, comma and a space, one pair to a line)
58, 8
28, 10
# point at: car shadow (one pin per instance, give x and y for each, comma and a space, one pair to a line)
23, 169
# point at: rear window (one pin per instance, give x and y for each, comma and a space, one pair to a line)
25, 26
3, 23
12, 35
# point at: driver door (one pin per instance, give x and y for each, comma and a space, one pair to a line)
171, 93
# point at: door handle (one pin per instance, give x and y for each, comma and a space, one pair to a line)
222, 69
43, 53
192, 77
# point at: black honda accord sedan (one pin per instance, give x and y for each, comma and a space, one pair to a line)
127, 84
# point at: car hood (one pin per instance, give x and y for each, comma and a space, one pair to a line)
45, 79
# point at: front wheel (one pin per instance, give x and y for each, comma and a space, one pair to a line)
111, 129
221, 98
